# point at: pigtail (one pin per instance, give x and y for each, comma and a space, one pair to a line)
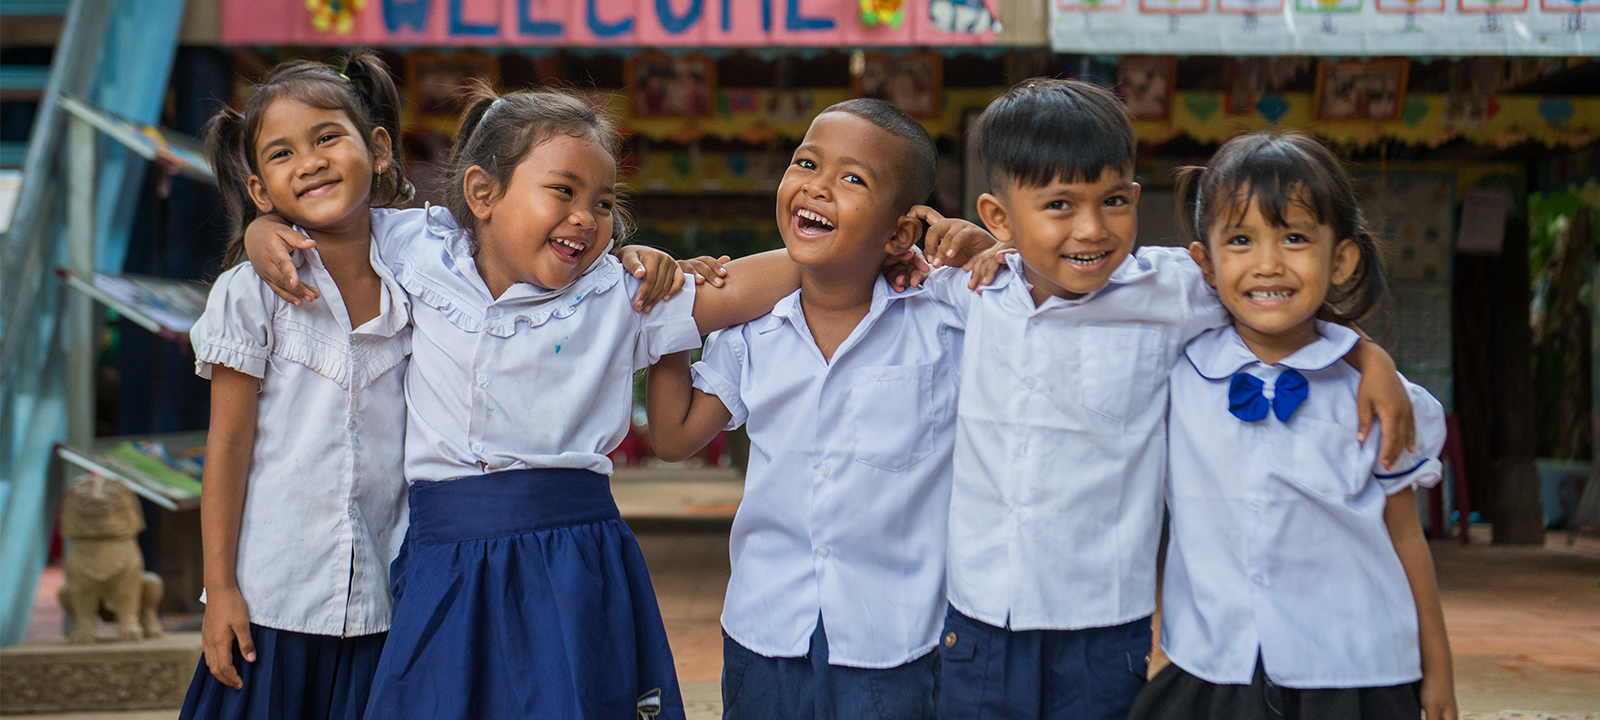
374, 87
225, 150
1188, 180
464, 154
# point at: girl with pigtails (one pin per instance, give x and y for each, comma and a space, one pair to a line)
304, 506
519, 592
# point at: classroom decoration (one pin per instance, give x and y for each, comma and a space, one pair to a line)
673, 85
912, 82
1360, 28
608, 23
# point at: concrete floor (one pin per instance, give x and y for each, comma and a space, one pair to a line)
1524, 622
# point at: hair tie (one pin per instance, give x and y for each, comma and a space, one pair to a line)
486, 112
1199, 193
346, 77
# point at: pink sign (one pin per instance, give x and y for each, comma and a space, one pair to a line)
555, 23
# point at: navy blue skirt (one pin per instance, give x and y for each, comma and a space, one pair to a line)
296, 676
522, 594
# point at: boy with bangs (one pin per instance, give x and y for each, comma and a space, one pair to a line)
1060, 453
849, 391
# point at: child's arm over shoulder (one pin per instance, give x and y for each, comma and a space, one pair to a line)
754, 284
1202, 309
269, 240
1384, 397
688, 409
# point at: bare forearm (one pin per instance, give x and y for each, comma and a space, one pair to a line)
682, 419
1412, 548
754, 284
228, 449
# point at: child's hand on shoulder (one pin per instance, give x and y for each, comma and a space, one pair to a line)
986, 264
227, 619
661, 276
905, 270
706, 269
951, 241
267, 242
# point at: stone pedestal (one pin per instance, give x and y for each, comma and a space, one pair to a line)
54, 676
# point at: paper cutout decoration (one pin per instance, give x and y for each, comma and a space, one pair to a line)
338, 16
963, 16
883, 12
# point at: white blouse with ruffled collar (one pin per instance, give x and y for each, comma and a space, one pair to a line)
533, 379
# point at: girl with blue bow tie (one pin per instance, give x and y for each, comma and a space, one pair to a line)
1298, 583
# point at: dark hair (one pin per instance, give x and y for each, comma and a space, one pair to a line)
499, 131
918, 165
362, 88
1273, 171
1044, 130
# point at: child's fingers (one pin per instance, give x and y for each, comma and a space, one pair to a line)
925, 214
219, 660
247, 644
296, 240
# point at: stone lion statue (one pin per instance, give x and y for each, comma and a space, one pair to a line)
104, 569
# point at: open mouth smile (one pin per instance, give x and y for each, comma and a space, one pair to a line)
811, 223
567, 248
1269, 296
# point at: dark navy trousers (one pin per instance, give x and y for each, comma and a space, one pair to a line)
992, 673
756, 687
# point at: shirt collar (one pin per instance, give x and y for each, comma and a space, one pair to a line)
396, 313
1220, 352
789, 307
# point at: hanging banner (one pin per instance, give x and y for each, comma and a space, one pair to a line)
621, 23
1326, 27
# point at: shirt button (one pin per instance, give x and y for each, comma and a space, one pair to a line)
950, 640
352, 513
1029, 382
1034, 321
1259, 580
1255, 504
822, 551
477, 447
350, 425
483, 378
825, 471
1017, 513
494, 312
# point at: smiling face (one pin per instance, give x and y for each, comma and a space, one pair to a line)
314, 167
1071, 235
1275, 278
552, 221
837, 203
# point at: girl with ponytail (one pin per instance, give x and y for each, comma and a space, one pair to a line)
304, 504
1298, 583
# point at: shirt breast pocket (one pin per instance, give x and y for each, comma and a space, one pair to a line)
1120, 370
1327, 459
886, 408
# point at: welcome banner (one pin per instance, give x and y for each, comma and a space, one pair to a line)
591, 23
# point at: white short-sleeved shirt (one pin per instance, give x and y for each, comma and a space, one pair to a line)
1055, 513
532, 379
325, 504
848, 488
1278, 540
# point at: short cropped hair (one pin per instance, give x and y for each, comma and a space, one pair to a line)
918, 165
1043, 130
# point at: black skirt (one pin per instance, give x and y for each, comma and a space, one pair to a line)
1174, 694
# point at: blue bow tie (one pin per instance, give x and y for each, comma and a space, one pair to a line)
1247, 403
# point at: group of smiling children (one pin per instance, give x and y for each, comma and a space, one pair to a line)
957, 478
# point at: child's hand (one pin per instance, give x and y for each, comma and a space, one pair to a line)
1382, 396
1439, 698
268, 241
950, 241
706, 269
659, 272
227, 619
905, 270
984, 266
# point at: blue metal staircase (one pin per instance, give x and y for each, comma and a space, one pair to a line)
118, 55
